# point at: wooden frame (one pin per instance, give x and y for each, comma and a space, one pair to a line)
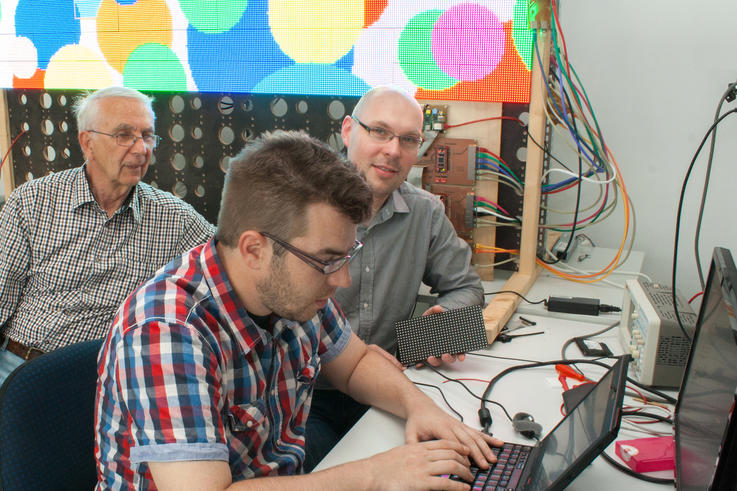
503, 305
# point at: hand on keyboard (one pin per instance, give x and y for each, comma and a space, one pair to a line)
431, 422
421, 466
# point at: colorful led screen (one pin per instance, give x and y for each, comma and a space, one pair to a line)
452, 50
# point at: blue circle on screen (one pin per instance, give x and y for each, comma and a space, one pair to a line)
237, 59
49, 24
313, 79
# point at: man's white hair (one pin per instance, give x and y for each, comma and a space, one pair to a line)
86, 106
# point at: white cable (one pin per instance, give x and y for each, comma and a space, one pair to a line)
511, 259
484, 211
634, 427
589, 271
588, 179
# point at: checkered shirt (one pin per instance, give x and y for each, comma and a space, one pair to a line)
185, 374
66, 266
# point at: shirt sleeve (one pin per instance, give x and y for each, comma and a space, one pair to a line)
335, 332
15, 260
196, 232
448, 271
170, 388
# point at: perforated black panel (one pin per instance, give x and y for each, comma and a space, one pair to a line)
201, 132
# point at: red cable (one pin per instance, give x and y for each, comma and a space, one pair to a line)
695, 297
510, 118
5, 157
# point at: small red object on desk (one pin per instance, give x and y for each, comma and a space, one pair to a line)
647, 454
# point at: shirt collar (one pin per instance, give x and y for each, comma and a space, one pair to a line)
133, 203
395, 203
234, 312
82, 194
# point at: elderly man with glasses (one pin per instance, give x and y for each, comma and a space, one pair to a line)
206, 376
408, 240
76, 242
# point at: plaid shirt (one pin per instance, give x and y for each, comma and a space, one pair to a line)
66, 266
185, 374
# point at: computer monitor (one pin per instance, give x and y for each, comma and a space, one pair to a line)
704, 422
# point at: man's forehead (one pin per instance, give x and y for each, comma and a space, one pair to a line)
124, 113
390, 107
327, 228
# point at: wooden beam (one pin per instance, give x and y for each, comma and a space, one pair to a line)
502, 306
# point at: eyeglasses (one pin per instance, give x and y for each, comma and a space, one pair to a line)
325, 267
408, 142
129, 139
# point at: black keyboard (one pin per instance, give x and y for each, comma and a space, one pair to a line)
505, 474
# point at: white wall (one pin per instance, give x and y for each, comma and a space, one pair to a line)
655, 71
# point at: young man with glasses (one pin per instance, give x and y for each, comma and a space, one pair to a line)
206, 376
76, 242
408, 240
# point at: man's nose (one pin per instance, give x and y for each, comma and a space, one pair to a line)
393, 147
139, 146
341, 278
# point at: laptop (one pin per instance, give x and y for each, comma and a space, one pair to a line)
573, 444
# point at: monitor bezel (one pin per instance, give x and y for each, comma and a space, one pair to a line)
722, 269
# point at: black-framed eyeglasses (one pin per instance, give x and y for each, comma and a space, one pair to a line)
125, 139
408, 142
325, 267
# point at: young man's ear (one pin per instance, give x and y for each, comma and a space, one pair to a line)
254, 249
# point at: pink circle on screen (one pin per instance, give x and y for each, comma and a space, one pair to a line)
468, 41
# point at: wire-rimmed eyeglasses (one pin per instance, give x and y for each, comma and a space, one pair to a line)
125, 139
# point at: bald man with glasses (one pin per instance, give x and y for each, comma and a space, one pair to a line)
76, 242
408, 240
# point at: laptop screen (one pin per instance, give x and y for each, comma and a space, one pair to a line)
583, 433
707, 396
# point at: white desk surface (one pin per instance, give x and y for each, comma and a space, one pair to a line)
535, 391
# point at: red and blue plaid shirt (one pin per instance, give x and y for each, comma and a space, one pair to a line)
185, 374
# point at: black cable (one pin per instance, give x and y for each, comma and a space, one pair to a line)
678, 217
516, 293
729, 95
573, 340
664, 397
460, 416
482, 399
504, 372
645, 414
499, 357
544, 150
578, 197
501, 374
637, 475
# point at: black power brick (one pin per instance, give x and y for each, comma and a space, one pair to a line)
578, 305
